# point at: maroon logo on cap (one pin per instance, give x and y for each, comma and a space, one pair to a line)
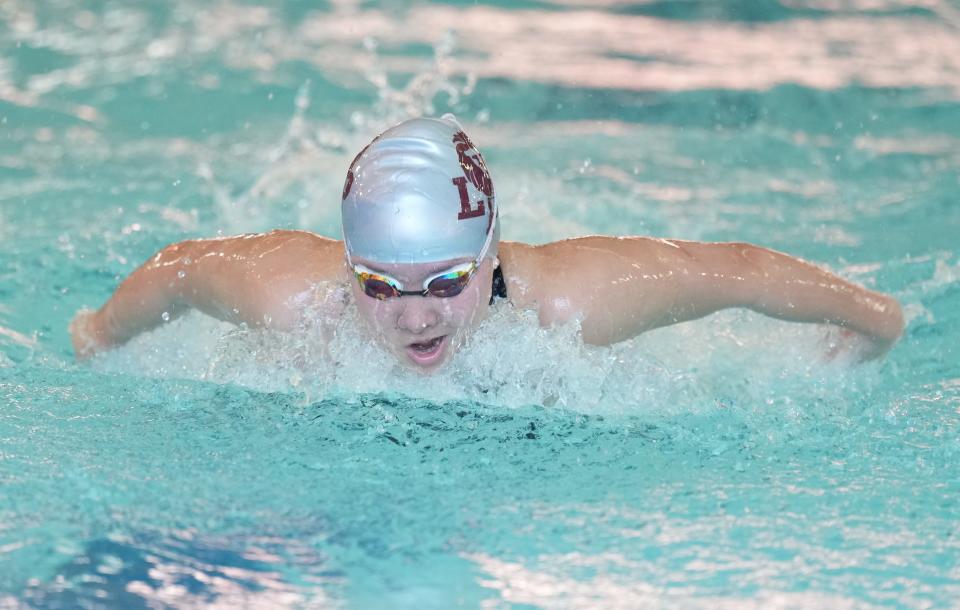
349, 183
475, 170
473, 166
466, 210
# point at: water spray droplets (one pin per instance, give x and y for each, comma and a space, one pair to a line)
416, 97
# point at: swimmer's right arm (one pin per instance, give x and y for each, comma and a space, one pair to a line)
247, 279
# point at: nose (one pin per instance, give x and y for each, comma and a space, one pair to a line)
417, 314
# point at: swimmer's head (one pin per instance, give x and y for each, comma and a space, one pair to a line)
421, 235
419, 193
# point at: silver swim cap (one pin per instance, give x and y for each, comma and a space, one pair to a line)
419, 193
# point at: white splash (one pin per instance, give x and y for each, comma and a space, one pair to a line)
731, 358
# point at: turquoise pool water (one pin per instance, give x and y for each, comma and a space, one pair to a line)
717, 464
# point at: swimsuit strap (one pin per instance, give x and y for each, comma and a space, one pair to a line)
499, 289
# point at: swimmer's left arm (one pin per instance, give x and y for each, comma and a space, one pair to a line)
625, 286
789, 288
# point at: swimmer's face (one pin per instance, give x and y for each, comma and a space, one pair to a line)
424, 331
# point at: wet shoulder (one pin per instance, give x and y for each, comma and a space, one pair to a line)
295, 275
300, 254
542, 278
520, 265
562, 279
272, 271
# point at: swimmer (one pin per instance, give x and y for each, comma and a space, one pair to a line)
424, 262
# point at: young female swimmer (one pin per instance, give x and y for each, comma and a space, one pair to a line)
422, 255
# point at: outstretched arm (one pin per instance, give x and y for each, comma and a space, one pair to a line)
620, 287
247, 279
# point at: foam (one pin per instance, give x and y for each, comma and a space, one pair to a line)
734, 357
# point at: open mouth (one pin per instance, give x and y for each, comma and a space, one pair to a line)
426, 352
427, 346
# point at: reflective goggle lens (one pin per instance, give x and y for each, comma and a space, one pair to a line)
444, 286
377, 287
450, 284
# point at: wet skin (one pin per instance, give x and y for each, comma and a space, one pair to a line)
424, 331
616, 288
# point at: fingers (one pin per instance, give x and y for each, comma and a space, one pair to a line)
836, 342
853, 347
83, 334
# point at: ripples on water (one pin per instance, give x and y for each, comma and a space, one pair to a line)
719, 464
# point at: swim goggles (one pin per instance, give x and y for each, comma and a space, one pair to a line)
446, 284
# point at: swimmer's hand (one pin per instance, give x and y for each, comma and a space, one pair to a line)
845, 345
86, 335
872, 340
